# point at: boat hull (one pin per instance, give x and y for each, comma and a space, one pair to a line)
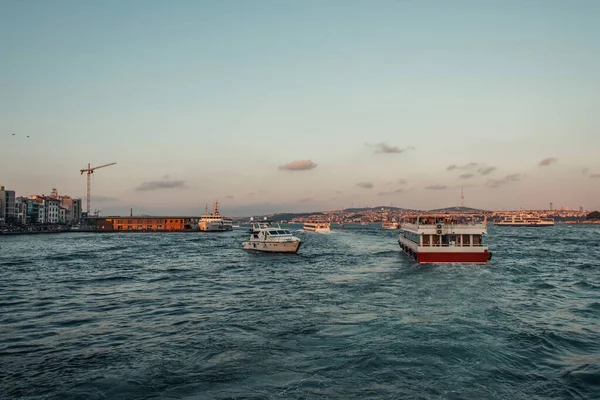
317, 230
214, 227
447, 257
272, 247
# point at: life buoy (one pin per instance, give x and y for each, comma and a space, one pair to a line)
439, 232
439, 226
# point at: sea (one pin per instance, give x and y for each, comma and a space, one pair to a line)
193, 316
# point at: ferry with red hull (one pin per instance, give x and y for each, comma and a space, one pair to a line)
444, 239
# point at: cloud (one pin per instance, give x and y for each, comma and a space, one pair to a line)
436, 187
402, 181
486, 170
585, 171
391, 193
594, 176
306, 200
299, 165
157, 185
365, 185
507, 179
470, 165
384, 148
229, 196
466, 176
338, 191
251, 194
547, 161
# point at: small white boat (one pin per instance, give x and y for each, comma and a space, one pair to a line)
317, 226
235, 225
269, 237
389, 225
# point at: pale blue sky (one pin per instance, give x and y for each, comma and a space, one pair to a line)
219, 94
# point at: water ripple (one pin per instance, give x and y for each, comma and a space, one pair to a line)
193, 316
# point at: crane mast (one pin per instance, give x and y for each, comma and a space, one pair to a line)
90, 170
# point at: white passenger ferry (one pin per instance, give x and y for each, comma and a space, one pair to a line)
444, 239
214, 222
524, 220
317, 226
267, 236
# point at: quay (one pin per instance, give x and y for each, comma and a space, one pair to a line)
116, 224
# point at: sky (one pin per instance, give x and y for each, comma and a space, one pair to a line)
292, 106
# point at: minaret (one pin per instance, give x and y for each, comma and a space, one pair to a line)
462, 196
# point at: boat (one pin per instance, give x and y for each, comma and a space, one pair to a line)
317, 226
444, 239
389, 225
524, 220
235, 225
267, 236
214, 222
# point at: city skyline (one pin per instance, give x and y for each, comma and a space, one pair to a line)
273, 107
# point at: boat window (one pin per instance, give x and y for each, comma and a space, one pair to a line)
281, 232
272, 232
287, 232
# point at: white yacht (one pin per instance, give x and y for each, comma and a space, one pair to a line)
214, 222
523, 220
269, 237
317, 226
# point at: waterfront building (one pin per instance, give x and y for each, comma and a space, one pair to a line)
51, 210
7, 204
21, 205
147, 224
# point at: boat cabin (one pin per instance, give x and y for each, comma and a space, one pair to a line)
445, 230
271, 234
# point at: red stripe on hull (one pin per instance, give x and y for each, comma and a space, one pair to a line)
471, 258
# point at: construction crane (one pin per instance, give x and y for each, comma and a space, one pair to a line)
90, 170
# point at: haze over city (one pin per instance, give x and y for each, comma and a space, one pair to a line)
272, 106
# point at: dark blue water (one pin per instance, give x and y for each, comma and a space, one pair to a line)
125, 316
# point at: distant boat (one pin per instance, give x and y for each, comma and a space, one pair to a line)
317, 226
524, 220
389, 225
235, 225
214, 222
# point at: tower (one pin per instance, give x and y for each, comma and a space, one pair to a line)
462, 196
550, 206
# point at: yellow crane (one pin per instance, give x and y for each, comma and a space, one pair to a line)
90, 170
